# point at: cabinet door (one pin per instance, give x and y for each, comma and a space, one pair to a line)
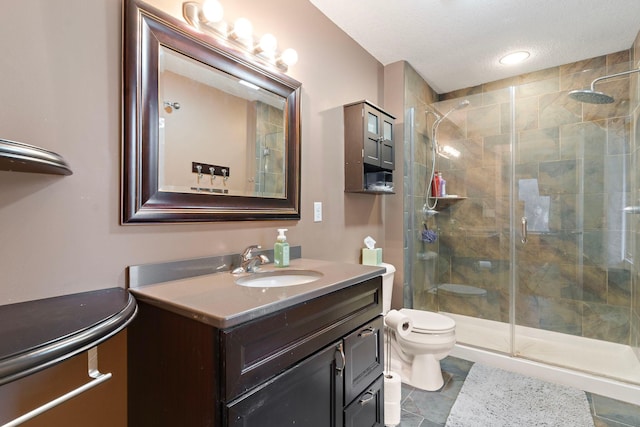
309, 394
372, 136
387, 160
367, 410
364, 355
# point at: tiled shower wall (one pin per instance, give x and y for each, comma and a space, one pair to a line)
269, 152
575, 273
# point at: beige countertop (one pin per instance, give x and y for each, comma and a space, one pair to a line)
217, 300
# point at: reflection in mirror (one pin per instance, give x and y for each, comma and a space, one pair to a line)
211, 133
211, 111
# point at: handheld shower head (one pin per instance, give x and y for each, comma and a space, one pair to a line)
459, 106
435, 147
431, 111
462, 104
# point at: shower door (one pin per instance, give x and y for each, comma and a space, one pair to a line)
573, 248
473, 272
538, 260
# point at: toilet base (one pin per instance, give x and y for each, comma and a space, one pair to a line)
426, 373
422, 371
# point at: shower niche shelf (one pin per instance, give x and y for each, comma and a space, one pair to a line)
446, 202
19, 157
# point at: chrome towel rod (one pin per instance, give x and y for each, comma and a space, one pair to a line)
93, 372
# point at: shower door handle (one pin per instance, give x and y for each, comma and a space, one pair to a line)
523, 239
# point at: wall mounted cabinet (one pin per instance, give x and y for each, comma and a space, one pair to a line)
368, 148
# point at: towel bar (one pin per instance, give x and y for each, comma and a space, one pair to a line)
93, 372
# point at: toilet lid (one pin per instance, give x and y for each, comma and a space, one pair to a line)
428, 321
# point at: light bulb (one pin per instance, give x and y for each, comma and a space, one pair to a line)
289, 57
242, 28
212, 11
268, 44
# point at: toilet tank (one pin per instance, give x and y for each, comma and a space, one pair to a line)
387, 286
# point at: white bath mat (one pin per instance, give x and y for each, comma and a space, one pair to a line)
494, 397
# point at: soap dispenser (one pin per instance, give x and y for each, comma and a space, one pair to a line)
281, 249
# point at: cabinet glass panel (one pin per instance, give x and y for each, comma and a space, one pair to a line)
372, 123
387, 130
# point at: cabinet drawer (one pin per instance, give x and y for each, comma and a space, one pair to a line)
256, 351
364, 356
367, 409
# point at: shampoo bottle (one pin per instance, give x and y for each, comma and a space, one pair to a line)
281, 249
435, 185
443, 185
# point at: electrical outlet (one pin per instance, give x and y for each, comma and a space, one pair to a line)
317, 211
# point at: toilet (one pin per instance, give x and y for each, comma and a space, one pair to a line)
416, 353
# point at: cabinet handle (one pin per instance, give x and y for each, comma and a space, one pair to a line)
367, 332
368, 396
340, 369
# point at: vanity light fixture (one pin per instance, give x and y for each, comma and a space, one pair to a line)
266, 46
208, 17
514, 57
289, 57
242, 31
211, 11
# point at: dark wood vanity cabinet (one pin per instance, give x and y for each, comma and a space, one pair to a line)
318, 363
369, 148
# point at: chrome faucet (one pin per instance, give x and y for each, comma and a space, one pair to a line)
249, 260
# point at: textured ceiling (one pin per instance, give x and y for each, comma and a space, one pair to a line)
455, 44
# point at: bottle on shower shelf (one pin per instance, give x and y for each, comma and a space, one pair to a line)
435, 185
443, 185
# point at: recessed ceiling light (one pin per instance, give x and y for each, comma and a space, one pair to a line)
514, 57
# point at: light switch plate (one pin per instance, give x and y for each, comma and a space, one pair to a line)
317, 211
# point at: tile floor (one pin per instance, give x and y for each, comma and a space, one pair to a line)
431, 408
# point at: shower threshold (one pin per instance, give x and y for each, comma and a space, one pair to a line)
596, 366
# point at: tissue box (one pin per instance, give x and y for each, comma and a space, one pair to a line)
372, 256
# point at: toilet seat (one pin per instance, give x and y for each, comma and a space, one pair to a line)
427, 322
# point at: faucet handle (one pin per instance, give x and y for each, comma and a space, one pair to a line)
246, 254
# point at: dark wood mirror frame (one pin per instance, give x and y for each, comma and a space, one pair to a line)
145, 30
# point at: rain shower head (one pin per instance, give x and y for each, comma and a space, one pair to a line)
592, 96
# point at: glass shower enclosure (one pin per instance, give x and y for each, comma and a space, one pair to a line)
536, 238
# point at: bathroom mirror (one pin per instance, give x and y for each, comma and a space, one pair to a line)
211, 132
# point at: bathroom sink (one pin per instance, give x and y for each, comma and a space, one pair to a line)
274, 279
